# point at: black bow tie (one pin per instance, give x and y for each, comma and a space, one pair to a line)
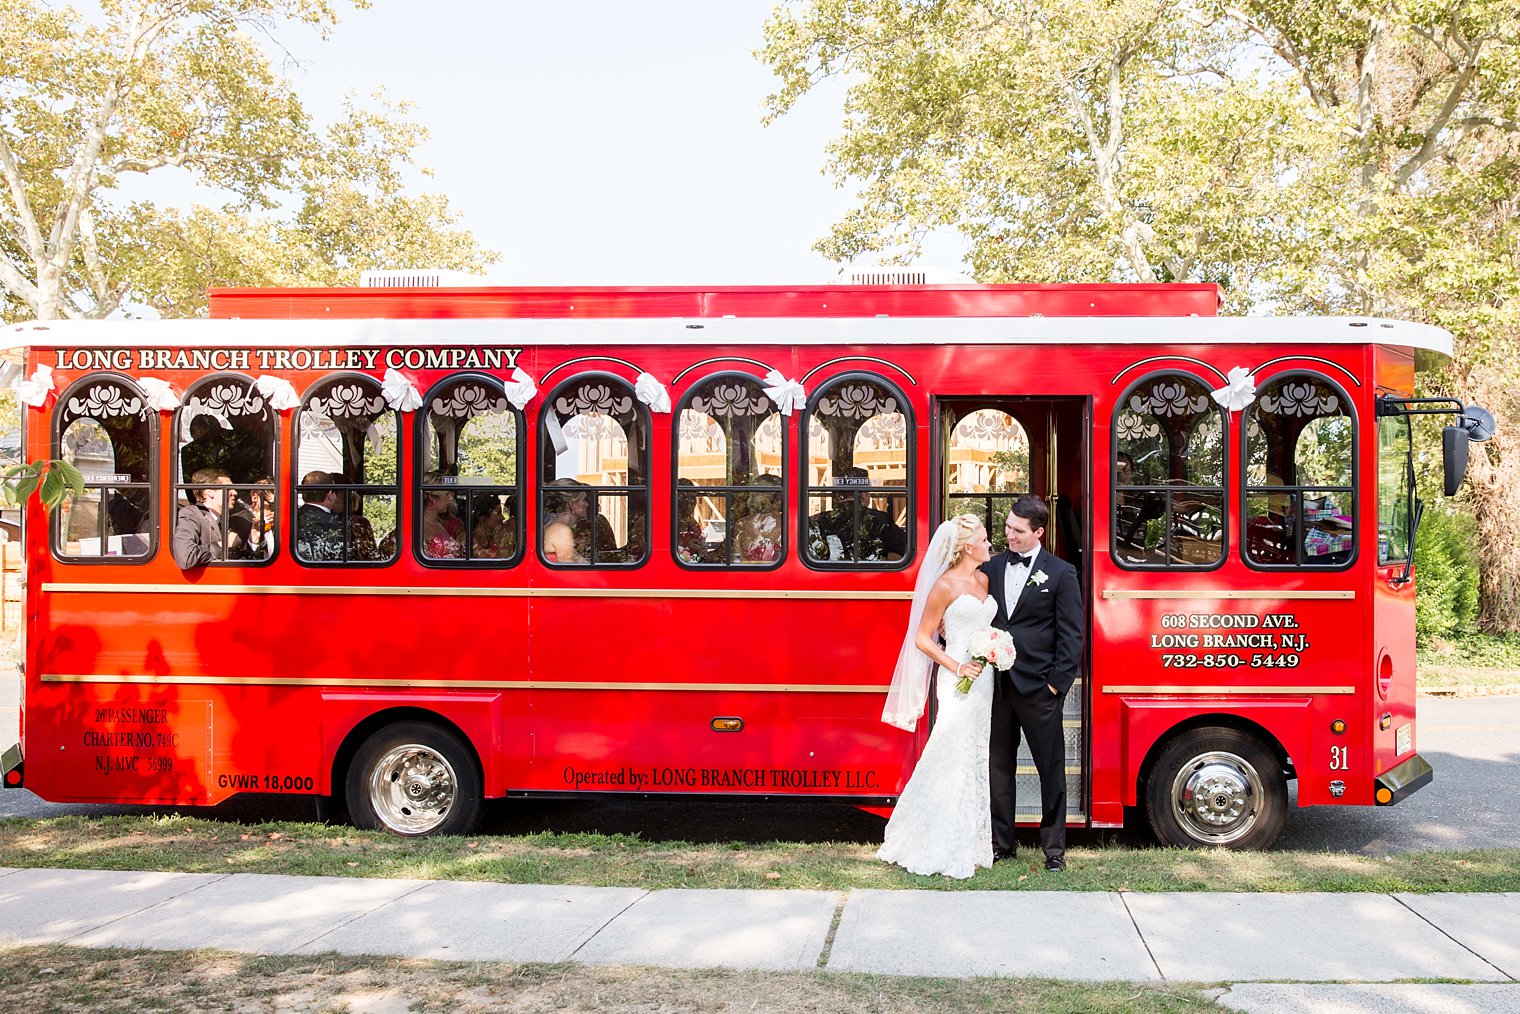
1021, 561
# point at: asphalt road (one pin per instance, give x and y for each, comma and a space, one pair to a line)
1473, 744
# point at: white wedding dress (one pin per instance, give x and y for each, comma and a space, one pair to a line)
942, 823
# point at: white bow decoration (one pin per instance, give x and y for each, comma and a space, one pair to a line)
280, 392
652, 393
35, 391
161, 394
1239, 392
787, 394
521, 389
400, 393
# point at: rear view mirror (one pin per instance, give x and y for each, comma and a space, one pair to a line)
1454, 457
1478, 422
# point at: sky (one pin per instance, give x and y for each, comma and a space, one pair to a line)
599, 143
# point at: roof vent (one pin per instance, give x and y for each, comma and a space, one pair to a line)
418, 278
882, 275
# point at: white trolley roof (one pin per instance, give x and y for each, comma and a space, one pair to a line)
699, 331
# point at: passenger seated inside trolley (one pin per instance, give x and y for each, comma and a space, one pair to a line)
569, 503
319, 527
850, 528
209, 529
559, 544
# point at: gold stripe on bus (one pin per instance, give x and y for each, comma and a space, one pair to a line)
478, 592
1232, 691
1226, 593
303, 681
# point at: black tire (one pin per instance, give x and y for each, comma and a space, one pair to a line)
1216, 787
415, 779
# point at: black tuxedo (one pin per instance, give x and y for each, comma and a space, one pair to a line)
1047, 630
319, 533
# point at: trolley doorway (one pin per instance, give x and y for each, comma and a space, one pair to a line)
991, 450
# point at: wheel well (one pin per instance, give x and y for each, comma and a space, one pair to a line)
379, 720
1227, 721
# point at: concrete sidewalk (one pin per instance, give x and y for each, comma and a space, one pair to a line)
1197, 937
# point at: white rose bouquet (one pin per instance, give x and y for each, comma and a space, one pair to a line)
990, 647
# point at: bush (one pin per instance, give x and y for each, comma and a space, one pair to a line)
1447, 600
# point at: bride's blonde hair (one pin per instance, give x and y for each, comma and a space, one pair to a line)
966, 526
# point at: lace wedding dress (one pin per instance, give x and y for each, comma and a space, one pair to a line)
943, 820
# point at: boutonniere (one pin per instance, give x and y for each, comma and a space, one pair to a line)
1038, 577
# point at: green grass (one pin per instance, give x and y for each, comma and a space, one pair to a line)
1498, 653
194, 845
1470, 664
57, 978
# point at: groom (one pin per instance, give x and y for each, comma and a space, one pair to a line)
1040, 607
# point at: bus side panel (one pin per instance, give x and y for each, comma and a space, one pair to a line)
1146, 721
126, 742
630, 731
495, 724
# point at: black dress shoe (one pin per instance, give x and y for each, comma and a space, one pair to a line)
1055, 864
1002, 855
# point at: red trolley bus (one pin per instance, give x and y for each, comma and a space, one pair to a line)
489, 542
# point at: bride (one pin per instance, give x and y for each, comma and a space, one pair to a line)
943, 820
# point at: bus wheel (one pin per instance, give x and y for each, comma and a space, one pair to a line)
1216, 787
414, 779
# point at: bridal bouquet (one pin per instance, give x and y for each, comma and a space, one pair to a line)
990, 647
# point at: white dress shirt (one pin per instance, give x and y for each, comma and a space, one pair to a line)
1015, 579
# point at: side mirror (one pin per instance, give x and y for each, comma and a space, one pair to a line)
1453, 458
1479, 423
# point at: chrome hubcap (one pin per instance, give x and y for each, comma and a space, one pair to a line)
1216, 797
413, 789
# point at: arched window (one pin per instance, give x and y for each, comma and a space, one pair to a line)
104, 427
468, 494
225, 428
346, 461
1300, 454
1168, 474
859, 504
594, 487
986, 466
730, 508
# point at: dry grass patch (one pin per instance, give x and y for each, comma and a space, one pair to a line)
66, 980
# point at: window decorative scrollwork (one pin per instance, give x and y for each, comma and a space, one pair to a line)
593, 398
347, 401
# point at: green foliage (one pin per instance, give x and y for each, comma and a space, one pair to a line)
53, 481
1014, 466
1319, 157
145, 86
1446, 602
1498, 654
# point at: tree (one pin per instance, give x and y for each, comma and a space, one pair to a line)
156, 85
1421, 222
1328, 156
1066, 141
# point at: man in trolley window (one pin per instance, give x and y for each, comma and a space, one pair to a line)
204, 532
1040, 607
